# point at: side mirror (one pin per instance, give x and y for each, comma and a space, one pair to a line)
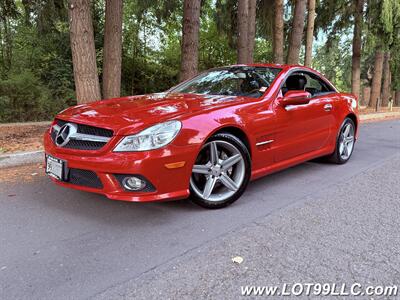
296, 98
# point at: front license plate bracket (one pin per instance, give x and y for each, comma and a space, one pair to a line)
56, 168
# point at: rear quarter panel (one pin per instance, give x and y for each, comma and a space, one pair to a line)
344, 107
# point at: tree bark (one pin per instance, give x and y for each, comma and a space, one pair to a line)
356, 58
252, 30
297, 32
377, 79
386, 80
112, 49
309, 33
277, 42
242, 19
366, 95
7, 45
397, 98
190, 39
83, 51
27, 4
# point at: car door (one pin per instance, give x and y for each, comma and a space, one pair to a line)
302, 129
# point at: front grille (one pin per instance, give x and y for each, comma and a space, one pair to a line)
84, 145
84, 129
84, 178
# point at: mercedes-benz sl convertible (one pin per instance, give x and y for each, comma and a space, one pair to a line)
205, 138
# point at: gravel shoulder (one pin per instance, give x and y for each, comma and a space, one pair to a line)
346, 233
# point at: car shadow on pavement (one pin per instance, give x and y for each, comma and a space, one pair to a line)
89, 207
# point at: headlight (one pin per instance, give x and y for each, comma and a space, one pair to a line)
154, 137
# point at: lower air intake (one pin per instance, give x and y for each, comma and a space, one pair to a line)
84, 178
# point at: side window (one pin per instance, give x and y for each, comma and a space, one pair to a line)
316, 85
295, 82
306, 81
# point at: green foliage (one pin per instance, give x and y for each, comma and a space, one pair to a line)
334, 61
24, 98
36, 73
39, 80
215, 48
395, 57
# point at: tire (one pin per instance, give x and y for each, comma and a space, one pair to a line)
219, 179
339, 157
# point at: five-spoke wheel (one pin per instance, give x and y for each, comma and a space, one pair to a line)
221, 171
345, 142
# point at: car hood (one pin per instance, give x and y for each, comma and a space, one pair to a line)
129, 114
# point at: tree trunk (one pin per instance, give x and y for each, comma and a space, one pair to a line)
366, 95
397, 98
310, 33
386, 80
27, 4
252, 30
393, 94
377, 79
112, 49
83, 51
190, 39
356, 58
7, 45
297, 32
242, 19
277, 42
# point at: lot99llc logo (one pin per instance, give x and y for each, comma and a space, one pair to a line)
333, 289
320, 289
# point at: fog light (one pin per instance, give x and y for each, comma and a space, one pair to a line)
133, 183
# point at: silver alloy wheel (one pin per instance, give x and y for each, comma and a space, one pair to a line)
346, 141
219, 171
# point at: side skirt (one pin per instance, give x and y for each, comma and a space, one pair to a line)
290, 162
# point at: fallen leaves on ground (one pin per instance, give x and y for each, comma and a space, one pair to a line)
21, 138
26, 173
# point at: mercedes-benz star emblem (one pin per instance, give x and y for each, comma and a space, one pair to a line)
64, 134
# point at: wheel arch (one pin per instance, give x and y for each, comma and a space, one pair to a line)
235, 131
353, 117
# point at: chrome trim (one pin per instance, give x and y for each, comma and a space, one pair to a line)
291, 107
79, 136
264, 143
65, 133
56, 128
89, 137
328, 107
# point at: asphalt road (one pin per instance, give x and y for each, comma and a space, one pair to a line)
346, 234
57, 243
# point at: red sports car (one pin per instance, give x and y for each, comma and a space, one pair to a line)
206, 137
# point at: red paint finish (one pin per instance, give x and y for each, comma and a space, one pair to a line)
301, 133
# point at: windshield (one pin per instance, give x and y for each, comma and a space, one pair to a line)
231, 81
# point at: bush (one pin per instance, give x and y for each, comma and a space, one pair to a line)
24, 98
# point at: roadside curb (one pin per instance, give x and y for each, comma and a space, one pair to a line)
21, 158
379, 116
25, 124
24, 158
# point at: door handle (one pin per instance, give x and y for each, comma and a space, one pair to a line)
328, 107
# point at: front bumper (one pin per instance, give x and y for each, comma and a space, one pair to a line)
157, 166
